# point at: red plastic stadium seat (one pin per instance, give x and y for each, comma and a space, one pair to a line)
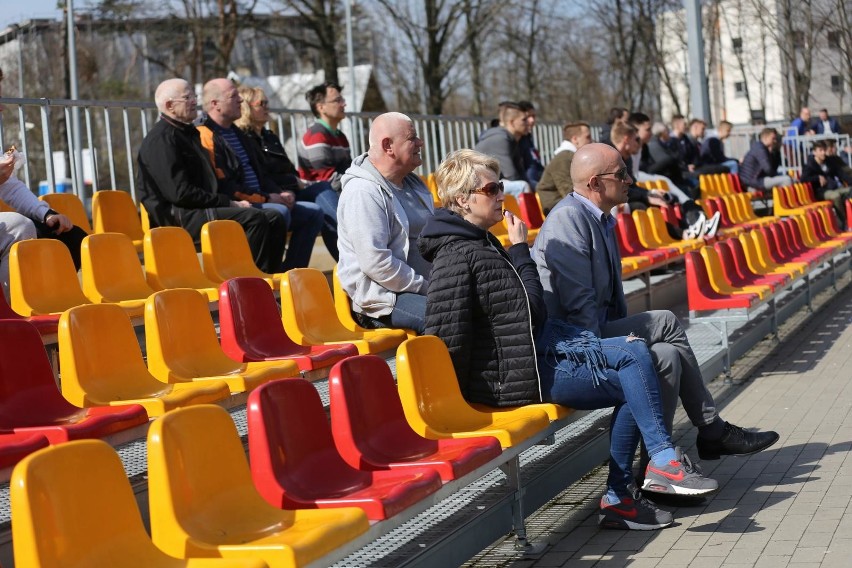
531, 210
15, 447
738, 272
251, 328
31, 403
371, 432
628, 239
294, 463
701, 295
46, 325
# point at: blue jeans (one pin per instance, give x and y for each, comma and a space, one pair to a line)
629, 383
323, 195
305, 222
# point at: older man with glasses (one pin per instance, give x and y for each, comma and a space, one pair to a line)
580, 268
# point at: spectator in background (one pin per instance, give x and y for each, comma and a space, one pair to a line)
713, 148
529, 153
829, 181
616, 114
556, 180
659, 161
237, 163
691, 145
501, 143
276, 165
759, 169
324, 151
178, 184
383, 208
678, 134
826, 124
645, 167
802, 123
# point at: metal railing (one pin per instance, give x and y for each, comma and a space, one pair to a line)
113, 132
796, 149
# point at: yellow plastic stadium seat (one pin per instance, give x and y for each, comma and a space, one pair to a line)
113, 211
69, 205
310, 317
721, 285
204, 503
810, 238
74, 508
112, 271
42, 279
342, 305
5, 207
102, 365
226, 254
182, 345
654, 236
761, 249
510, 203
171, 262
435, 408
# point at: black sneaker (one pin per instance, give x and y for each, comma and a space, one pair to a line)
636, 514
735, 442
678, 477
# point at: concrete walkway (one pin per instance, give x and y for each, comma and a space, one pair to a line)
788, 506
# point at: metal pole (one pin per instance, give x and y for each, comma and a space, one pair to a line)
77, 148
350, 60
697, 74
20, 62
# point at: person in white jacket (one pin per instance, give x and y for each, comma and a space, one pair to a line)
382, 209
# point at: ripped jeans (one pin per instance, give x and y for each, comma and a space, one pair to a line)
581, 371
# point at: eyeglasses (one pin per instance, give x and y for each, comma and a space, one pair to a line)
338, 100
621, 175
489, 189
185, 98
264, 104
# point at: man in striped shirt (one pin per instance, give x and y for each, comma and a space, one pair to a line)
324, 151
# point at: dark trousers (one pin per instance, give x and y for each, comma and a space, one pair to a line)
72, 239
266, 231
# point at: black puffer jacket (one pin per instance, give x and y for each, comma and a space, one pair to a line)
486, 305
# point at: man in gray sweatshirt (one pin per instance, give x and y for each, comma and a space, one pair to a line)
383, 207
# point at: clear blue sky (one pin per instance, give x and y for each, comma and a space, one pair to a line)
14, 11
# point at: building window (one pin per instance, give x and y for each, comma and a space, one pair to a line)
737, 44
836, 84
740, 90
834, 40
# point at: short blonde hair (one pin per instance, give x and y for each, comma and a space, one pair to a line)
249, 96
458, 175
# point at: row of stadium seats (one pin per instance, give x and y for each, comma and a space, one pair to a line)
794, 199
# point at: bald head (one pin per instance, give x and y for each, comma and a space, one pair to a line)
591, 160
394, 146
387, 126
169, 89
213, 90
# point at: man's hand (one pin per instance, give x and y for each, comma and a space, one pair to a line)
241, 204
59, 223
287, 198
7, 166
517, 228
656, 201
822, 181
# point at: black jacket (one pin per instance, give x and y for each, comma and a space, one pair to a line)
486, 304
274, 162
758, 163
175, 177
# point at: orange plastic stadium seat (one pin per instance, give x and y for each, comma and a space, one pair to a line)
30, 402
435, 408
113, 211
42, 278
226, 254
251, 329
370, 430
112, 272
54, 494
310, 317
102, 365
69, 205
181, 342
343, 307
204, 503
171, 262
295, 471
721, 282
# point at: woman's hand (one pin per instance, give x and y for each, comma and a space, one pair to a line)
517, 228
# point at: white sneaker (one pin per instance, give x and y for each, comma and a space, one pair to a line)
695, 230
712, 225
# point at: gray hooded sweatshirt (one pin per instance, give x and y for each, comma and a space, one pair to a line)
373, 237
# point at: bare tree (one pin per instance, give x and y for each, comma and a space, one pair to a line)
479, 16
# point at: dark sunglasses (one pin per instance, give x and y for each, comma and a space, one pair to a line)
489, 189
620, 175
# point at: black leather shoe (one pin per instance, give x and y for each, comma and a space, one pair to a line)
735, 442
